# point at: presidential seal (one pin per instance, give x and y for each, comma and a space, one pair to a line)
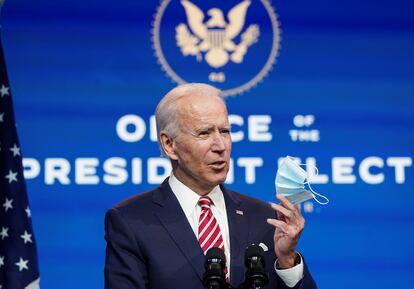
229, 44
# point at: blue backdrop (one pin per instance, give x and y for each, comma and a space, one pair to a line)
339, 95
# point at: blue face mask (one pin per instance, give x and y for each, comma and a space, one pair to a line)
290, 183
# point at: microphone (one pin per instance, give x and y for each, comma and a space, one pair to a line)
255, 276
215, 262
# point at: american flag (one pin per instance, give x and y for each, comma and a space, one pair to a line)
18, 257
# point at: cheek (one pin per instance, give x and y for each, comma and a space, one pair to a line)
228, 146
183, 148
192, 154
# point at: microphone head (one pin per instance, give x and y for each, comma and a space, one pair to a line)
255, 276
215, 255
215, 262
254, 251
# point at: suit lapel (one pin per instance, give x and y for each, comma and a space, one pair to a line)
238, 230
175, 222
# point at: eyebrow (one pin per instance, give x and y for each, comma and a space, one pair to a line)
208, 126
211, 128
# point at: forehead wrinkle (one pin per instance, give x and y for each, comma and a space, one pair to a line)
192, 115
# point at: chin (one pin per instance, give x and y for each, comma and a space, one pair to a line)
219, 178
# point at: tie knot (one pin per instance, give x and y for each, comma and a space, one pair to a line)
204, 202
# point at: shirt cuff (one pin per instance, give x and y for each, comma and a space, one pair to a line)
291, 276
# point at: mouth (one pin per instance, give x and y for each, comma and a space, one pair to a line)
218, 165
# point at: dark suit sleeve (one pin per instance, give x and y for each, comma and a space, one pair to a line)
125, 266
307, 281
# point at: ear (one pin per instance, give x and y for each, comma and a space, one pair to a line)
168, 145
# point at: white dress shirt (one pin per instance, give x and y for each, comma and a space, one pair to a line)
188, 200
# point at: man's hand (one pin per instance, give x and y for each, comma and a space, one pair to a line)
288, 227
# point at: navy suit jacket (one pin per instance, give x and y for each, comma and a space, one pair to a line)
150, 243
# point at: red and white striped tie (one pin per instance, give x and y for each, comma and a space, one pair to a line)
209, 234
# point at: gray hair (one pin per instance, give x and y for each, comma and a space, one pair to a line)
166, 111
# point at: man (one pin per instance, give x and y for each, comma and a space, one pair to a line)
158, 239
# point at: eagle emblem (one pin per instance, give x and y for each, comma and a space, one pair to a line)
214, 38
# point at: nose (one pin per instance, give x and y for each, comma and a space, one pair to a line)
219, 143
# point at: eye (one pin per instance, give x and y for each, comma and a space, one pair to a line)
225, 131
204, 133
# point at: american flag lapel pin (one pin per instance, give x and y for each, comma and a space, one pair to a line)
239, 212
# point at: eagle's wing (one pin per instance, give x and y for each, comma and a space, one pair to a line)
236, 17
195, 19
186, 41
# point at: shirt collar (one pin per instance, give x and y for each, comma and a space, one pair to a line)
188, 199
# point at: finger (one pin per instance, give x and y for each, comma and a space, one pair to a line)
279, 224
281, 217
285, 202
299, 210
282, 210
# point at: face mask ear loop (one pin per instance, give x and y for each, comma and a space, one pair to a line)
319, 195
313, 192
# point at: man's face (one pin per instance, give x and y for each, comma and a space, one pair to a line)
202, 148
